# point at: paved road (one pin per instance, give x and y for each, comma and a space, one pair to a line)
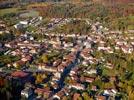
65, 74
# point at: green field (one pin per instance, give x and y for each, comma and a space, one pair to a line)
8, 10
30, 13
131, 20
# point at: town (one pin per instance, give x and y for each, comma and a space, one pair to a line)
58, 65
43, 62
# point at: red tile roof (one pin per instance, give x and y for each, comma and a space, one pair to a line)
19, 74
76, 96
20, 62
101, 98
94, 88
87, 79
41, 91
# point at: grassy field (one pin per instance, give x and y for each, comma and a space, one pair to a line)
130, 20
7, 11
30, 13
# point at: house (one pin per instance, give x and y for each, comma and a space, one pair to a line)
126, 49
132, 43
107, 49
3, 27
59, 95
19, 74
121, 42
18, 26
33, 51
131, 31
54, 42
27, 92
15, 52
87, 44
55, 85
77, 86
86, 50
112, 78
57, 74
76, 96
61, 68
22, 76
70, 56
76, 48
24, 22
57, 62
26, 58
67, 45
85, 56
94, 88
87, 79
25, 50
12, 44
74, 71
91, 71
28, 44
71, 35
46, 68
7, 45
66, 90
101, 98
47, 94
89, 60
109, 66
19, 63
79, 42
85, 63
43, 91
57, 46
75, 77
117, 47
55, 79
7, 52
109, 92
39, 91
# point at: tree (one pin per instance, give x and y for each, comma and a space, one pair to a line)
85, 96
44, 58
39, 78
131, 95
2, 82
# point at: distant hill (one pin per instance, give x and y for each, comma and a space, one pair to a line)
11, 3
121, 1
115, 1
